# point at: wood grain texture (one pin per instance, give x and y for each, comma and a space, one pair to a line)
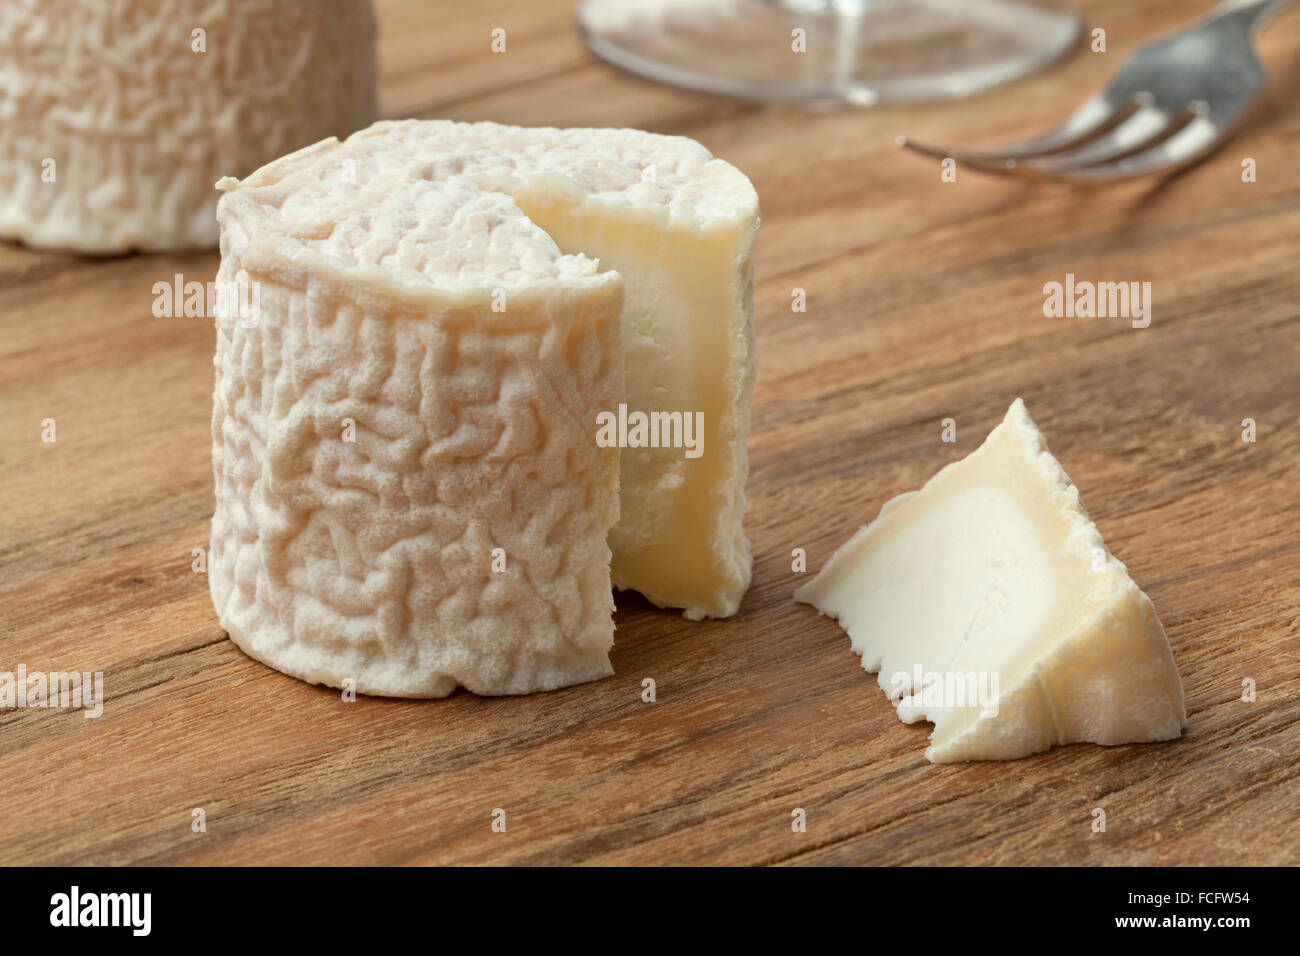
924, 302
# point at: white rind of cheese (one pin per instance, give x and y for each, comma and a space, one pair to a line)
994, 567
435, 282
139, 125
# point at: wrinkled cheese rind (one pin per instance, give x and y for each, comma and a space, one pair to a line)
138, 125
436, 214
994, 567
373, 560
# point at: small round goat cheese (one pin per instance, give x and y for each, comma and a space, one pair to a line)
410, 369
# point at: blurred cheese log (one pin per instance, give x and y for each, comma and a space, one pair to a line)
118, 116
411, 487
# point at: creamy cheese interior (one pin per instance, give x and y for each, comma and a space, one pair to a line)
684, 303
992, 578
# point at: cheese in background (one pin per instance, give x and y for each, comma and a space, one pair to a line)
117, 117
469, 295
994, 568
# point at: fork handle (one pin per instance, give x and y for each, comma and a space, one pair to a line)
1251, 13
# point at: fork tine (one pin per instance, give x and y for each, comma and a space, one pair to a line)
1008, 167
1095, 117
1189, 145
1143, 128
1184, 147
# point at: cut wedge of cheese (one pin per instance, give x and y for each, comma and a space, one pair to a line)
116, 118
472, 299
989, 605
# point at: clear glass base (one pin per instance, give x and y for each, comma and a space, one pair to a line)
830, 52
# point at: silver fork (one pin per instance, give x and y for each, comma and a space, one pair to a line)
1172, 104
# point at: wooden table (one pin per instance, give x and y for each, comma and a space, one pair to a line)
924, 302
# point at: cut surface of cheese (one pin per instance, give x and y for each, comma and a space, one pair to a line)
988, 605
117, 118
472, 297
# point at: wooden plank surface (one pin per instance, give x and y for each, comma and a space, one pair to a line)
924, 302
